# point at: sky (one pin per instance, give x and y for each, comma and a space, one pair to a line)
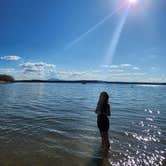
110, 40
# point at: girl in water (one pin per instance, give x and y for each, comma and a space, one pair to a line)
103, 111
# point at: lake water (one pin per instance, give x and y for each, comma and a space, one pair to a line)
54, 124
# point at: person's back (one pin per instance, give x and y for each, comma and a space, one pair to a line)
102, 111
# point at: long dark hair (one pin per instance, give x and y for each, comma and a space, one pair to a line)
103, 98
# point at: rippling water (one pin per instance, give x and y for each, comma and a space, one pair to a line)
55, 124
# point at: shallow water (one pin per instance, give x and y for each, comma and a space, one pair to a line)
55, 124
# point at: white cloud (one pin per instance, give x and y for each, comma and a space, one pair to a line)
153, 56
116, 70
78, 75
114, 66
118, 75
110, 66
128, 74
37, 70
104, 66
37, 67
37, 64
10, 58
136, 68
6, 70
125, 65
153, 68
40, 73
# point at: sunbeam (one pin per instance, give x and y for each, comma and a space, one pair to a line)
115, 39
92, 29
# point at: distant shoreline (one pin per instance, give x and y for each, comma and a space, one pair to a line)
2, 82
87, 81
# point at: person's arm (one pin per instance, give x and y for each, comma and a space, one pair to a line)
97, 110
108, 111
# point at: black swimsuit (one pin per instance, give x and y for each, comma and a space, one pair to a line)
102, 119
103, 122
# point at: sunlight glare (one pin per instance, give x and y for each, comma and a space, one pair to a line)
115, 39
133, 1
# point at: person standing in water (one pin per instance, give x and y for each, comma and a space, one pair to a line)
103, 111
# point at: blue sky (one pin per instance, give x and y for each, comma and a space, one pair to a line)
83, 39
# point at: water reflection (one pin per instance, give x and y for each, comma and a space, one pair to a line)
45, 124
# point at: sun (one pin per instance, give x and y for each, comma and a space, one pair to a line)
132, 1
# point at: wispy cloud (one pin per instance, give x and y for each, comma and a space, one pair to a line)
116, 70
126, 65
6, 70
96, 75
10, 58
152, 56
37, 70
128, 74
136, 68
78, 75
114, 66
37, 67
43, 70
104, 66
153, 68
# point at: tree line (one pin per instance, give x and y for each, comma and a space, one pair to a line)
6, 78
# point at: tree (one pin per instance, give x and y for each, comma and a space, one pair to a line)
6, 78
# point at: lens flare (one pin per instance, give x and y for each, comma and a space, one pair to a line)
133, 1
115, 39
79, 38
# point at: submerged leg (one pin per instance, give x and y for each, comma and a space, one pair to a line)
105, 144
105, 139
102, 138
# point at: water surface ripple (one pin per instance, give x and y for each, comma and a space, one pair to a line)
55, 124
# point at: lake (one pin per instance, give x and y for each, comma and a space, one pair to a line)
48, 124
